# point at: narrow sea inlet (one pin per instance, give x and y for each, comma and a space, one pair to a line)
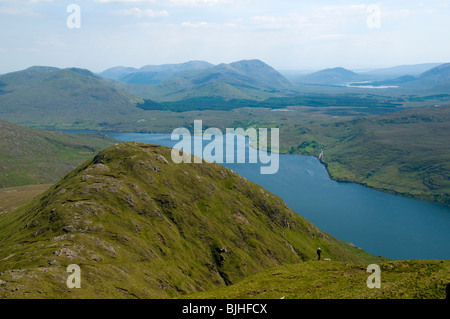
380, 223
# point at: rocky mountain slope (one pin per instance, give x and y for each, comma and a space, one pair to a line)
140, 226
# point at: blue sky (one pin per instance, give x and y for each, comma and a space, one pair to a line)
286, 34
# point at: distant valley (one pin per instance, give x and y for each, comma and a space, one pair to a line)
423, 78
142, 227
71, 98
31, 156
243, 93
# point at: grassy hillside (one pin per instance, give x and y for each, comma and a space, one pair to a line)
411, 279
405, 152
51, 97
29, 156
117, 72
139, 225
435, 78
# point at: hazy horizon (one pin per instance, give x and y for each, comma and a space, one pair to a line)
286, 34
282, 70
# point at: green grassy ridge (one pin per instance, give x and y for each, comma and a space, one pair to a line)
29, 156
406, 279
141, 226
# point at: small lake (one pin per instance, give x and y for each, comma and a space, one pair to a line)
380, 223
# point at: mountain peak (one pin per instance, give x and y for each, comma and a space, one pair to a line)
249, 62
330, 76
135, 221
40, 68
84, 72
338, 70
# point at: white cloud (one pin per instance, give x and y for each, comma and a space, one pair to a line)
49, 42
189, 24
283, 32
264, 19
29, 1
291, 21
26, 1
139, 13
209, 25
398, 14
24, 12
167, 2
28, 50
125, 1
198, 2
335, 37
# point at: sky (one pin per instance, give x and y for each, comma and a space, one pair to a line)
286, 34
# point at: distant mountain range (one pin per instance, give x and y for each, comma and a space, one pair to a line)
435, 80
49, 97
246, 79
66, 98
400, 70
433, 77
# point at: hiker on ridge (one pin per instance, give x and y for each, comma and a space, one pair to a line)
318, 253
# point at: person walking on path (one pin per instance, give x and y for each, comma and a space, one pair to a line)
318, 253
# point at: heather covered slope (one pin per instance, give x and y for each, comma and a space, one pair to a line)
139, 225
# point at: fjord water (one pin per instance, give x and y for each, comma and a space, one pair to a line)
380, 223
